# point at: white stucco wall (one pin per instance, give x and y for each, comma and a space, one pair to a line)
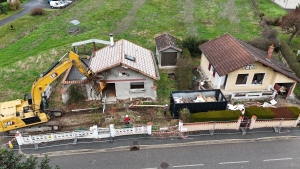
122, 83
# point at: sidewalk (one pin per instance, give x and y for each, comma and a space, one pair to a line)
124, 143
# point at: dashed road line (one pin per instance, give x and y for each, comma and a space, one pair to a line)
191, 165
234, 162
279, 159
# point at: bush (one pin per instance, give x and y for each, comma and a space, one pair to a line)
12, 6
17, 4
37, 11
192, 43
221, 115
185, 115
75, 94
295, 110
184, 73
4, 8
259, 112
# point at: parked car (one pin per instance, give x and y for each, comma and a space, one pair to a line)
57, 4
66, 2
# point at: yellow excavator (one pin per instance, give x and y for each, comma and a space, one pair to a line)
34, 108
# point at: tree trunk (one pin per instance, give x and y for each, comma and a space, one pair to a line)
291, 37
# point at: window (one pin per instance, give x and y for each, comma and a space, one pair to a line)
137, 85
241, 79
258, 78
128, 57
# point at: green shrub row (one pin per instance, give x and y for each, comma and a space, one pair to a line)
4, 7
227, 115
295, 110
221, 115
260, 113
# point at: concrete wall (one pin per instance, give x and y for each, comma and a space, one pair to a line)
122, 83
287, 4
158, 55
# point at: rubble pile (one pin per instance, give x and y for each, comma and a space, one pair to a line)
199, 98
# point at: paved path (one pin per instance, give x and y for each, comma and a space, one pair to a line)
27, 8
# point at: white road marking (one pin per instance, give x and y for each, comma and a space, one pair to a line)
234, 162
192, 165
278, 159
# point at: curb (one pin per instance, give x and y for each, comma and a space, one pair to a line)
146, 147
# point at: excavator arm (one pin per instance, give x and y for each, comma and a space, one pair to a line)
53, 73
34, 110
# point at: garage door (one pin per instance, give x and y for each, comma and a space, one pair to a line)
168, 59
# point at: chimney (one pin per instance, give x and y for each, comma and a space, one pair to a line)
111, 36
270, 52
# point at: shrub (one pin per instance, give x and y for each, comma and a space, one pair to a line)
37, 11
12, 6
259, 112
184, 73
17, 4
269, 21
295, 110
75, 94
221, 115
192, 43
5, 7
276, 21
185, 115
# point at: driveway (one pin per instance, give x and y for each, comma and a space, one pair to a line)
28, 6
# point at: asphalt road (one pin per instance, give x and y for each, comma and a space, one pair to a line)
259, 155
27, 8
127, 141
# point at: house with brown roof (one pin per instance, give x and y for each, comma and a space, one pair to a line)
237, 67
129, 71
167, 51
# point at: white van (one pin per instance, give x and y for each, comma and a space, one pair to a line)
57, 4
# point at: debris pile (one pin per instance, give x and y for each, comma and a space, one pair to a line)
199, 98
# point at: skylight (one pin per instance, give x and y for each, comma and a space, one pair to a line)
128, 57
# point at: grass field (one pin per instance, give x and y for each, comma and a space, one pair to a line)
37, 41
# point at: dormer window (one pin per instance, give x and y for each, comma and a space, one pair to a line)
128, 57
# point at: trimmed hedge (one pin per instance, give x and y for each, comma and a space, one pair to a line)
295, 110
227, 115
5, 6
221, 115
259, 112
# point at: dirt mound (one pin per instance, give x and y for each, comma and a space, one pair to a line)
282, 112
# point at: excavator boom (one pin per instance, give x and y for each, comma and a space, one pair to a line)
34, 110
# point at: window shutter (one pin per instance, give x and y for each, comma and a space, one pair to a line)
214, 72
209, 65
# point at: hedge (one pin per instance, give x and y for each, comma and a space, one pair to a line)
227, 115
260, 113
221, 115
295, 110
5, 6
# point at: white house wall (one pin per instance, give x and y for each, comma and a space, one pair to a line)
287, 4
122, 83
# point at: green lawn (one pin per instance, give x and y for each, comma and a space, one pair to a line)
37, 41
270, 9
9, 13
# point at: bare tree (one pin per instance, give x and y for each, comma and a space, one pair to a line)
291, 24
